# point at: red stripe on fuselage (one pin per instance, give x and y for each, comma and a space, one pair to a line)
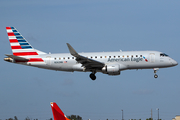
36, 60
32, 60
25, 53
13, 40
16, 47
11, 34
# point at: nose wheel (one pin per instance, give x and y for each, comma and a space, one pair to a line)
92, 76
155, 70
155, 76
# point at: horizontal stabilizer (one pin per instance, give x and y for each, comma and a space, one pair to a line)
17, 58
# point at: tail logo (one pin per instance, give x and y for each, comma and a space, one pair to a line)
19, 45
57, 113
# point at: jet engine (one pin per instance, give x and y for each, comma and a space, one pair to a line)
111, 69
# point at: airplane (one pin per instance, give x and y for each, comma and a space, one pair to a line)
110, 63
57, 112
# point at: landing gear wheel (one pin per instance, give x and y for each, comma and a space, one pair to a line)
155, 76
155, 70
92, 76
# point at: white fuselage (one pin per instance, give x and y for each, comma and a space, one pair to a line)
111, 63
126, 60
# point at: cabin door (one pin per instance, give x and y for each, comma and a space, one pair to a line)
152, 57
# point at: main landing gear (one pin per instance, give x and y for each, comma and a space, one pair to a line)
155, 70
92, 76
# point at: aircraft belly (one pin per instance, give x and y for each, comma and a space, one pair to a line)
63, 67
78, 67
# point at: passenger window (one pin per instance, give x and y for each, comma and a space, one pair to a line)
118, 56
101, 57
72, 57
91, 57
132, 56
114, 56
55, 58
105, 56
127, 55
136, 55
59, 58
95, 56
109, 56
64, 58
140, 55
123, 56
68, 58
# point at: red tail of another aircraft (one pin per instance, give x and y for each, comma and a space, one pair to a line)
57, 112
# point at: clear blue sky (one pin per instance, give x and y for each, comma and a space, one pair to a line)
105, 25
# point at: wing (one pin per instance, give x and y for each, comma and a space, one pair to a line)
86, 62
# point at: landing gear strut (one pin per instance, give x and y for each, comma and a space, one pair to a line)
92, 76
155, 70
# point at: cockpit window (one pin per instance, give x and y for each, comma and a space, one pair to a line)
163, 54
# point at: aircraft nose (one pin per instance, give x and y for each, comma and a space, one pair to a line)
174, 62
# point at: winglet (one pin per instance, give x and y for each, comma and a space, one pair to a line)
71, 50
57, 112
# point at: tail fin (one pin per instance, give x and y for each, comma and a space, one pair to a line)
19, 45
57, 113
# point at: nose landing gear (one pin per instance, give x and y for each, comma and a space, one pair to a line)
155, 70
155, 76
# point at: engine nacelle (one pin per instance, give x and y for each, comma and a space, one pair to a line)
111, 69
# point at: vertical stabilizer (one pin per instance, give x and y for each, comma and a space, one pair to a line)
19, 45
57, 112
